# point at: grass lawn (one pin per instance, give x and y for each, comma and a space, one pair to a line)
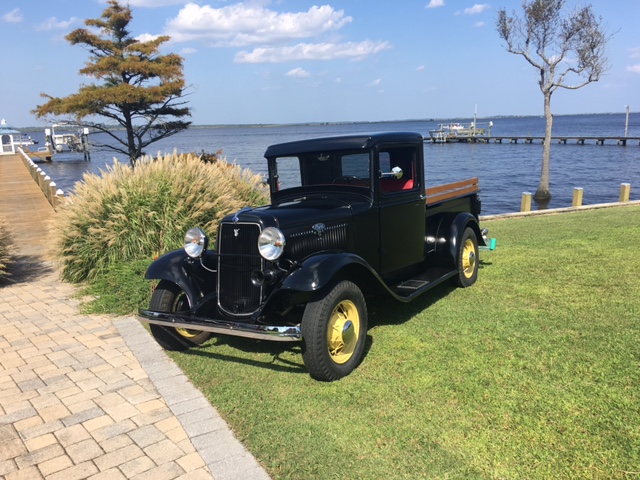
534, 372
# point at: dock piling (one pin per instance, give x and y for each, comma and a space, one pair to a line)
525, 204
625, 192
577, 197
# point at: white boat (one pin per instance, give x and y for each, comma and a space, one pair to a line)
458, 132
65, 136
25, 140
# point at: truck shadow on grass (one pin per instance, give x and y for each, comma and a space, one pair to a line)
287, 357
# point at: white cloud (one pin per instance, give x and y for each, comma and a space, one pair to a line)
188, 51
421, 68
634, 68
476, 9
435, 4
375, 83
14, 16
250, 24
53, 23
156, 3
146, 37
480, 24
298, 73
634, 52
312, 51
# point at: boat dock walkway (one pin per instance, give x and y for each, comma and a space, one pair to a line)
91, 396
25, 209
577, 139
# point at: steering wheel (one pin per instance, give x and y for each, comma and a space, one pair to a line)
350, 180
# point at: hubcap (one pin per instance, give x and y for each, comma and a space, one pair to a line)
343, 331
181, 305
468, 258
188, 333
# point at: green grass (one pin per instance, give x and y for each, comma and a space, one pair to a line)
531, 373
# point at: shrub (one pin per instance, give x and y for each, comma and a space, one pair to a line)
129, 213
5, 246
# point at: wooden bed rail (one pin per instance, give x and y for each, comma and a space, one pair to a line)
452, 190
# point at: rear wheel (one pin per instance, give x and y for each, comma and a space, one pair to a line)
169, 297
334, 331
467, 261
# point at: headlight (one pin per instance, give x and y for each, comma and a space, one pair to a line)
271, 243
195, 242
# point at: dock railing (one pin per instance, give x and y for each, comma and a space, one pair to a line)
51, 191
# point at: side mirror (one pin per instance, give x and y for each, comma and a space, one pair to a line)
396, 172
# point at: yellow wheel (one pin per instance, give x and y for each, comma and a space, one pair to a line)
467, 261
334, 331
469, 258
169, 297
343, 331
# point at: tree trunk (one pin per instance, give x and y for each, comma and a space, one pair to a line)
543, 195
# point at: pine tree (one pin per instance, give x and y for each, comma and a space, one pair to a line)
137, 89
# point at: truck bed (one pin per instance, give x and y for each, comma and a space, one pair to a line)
449, 191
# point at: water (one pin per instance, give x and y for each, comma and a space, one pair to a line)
505, 170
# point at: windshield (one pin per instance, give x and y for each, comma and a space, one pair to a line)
331, 168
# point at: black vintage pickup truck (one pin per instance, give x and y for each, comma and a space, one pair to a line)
350, 217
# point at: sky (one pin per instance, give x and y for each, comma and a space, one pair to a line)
298, 61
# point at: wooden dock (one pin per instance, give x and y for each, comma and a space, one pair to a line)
24, 208
577, 139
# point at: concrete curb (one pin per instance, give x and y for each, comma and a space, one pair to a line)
555, 211
225, 456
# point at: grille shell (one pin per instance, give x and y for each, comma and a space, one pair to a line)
238, 257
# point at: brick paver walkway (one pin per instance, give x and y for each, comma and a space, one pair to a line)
88, 396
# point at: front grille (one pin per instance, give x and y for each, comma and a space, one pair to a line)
303, 244
238, 258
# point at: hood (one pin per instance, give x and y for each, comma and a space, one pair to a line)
310, 224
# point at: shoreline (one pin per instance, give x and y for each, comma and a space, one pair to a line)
358, 122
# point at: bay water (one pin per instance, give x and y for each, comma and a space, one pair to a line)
505, 170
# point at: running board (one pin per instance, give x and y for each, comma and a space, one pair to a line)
413, 287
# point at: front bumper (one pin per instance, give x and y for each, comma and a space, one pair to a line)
276, 333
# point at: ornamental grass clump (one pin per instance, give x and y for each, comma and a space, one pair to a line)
127, 213
5, 246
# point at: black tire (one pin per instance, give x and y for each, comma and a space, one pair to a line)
169, 297
467, 259
334, 332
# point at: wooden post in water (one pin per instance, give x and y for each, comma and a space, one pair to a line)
577, 197
525, 205
625, 191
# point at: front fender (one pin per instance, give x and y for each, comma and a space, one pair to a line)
186, 272
317, 271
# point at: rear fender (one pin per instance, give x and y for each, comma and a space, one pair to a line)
449, 233
186, 272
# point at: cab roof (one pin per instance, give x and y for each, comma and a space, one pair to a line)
364, 141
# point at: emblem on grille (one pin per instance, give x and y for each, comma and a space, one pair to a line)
319, 228
236, 232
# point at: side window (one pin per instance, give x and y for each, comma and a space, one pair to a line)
288, 172
385, 162
403, 158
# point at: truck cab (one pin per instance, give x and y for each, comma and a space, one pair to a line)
349, 217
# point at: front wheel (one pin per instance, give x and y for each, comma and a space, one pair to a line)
467, 261
169, 297
334, 330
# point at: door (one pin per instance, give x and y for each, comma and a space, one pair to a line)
402, 209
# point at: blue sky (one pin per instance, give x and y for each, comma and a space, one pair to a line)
287, 61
